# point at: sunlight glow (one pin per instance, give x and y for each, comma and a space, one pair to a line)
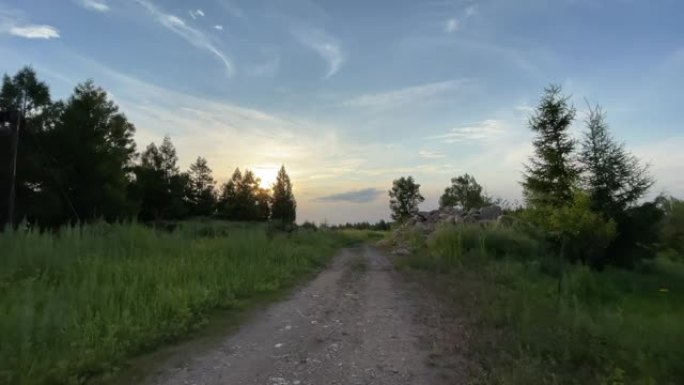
267, 175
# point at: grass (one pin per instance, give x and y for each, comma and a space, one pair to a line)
77, 304
610, 327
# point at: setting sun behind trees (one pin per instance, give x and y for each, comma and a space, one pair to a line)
267, 175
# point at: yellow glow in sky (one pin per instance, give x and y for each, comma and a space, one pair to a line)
266, 174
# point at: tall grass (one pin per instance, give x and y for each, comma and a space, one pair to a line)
77, 303
609, 327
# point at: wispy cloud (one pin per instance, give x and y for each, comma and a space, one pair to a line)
430, 154
356, 196
35, 32
324, 45
452, 25
195, 13
218, 27
406, 95
95, 5
456, 23
11, 22
193, 36
484, 130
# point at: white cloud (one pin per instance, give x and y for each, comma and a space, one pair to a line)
195, 13
324, 45
193, 36
406, 95
452, 25
95, 5
430, 154
35, 31
218, 27
12, 22
484, 130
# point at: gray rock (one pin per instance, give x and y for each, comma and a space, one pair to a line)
490, 213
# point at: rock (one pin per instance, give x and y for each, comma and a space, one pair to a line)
490, 213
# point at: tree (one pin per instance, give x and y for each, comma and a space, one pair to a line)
24, 101
404, 198
550, 176
160, 188
284, 205
242, 199
464, 192
672, 226
614, 178
201, 196
92, 149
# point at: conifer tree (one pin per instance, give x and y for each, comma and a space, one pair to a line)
551, 174
284, 205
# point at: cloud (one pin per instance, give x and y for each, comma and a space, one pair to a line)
195, 13
218, 27
452, 25
430, 154
12, 22
191, 35
95, 5
484, 130
35, 31
356, 196
406, 95
324, 45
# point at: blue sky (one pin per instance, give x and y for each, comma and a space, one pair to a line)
350, 95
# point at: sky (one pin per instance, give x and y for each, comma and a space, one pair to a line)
350, 95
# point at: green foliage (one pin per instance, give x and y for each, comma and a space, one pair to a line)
638, 232
80, 302
404, 198
613, 177
551, 175
672, 226
583, 234
91, 146
201, 196
243, 200
24, 104
284, 207
602, 327
159, 186
464, 192
453, 245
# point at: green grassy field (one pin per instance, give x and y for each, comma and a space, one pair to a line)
77, 304
611, 327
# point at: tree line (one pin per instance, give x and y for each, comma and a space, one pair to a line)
585, 196
76, 161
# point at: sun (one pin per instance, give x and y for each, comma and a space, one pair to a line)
267, 175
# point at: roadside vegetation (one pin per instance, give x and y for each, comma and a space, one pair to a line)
582, 284
78, 303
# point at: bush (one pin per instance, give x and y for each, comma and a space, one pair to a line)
452, 244
575, 231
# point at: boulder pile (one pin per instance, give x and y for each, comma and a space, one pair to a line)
427, 220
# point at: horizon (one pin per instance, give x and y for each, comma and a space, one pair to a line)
351, 97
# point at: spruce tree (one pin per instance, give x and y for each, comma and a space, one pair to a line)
613, 177
551, 174
284, 205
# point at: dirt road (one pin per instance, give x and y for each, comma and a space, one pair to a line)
357, 322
